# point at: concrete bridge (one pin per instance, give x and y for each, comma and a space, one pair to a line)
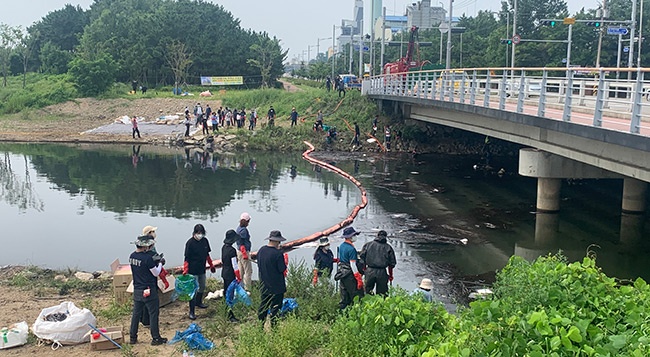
576, 123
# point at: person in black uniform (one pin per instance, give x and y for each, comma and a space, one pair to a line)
378, 255
228, 262
145, 290
272, 266
197, 254
270, 115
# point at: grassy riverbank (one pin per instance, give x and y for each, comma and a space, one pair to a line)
546, 308
48, 104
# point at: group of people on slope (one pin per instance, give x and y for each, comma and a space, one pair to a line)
209, 119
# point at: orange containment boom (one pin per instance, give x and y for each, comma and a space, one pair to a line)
316, 235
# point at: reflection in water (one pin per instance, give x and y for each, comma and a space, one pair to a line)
93, 193
547, 227
631, 228
77, 193
15, 190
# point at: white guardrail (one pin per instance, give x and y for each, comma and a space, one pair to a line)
592, 96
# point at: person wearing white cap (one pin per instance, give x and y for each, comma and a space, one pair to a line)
244, 250
324, 260
424, 290
145, 290
272, 266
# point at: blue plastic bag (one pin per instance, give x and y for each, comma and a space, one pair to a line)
186, 287
235, 293
288, 305
194, 338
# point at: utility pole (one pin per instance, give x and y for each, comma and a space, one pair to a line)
333, 50
351, 49
448, 59
383, 34
630, 55
638, 57
568, 47
361, 50
514, 32
601, 30
441, 35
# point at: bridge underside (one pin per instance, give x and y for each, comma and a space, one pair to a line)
618, 152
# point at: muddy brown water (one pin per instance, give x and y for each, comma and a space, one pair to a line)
74, 206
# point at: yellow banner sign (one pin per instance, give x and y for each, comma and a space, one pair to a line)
222, 81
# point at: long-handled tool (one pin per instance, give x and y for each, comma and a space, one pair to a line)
104, 335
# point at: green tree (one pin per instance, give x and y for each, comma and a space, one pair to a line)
53, 59
93, 76
268, 58
8, 42
25, 47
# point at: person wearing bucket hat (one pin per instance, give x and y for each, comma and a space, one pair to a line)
150, 232
348, 272
145, 289
244, 250
272, 265
378, 255
424, 290
324, 259
229, 268
197, 254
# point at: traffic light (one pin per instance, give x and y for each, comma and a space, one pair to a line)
551, 23
594, 23
506, 41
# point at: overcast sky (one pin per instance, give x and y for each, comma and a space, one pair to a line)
297, 23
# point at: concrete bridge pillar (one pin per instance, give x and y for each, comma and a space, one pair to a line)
550, 169
634, 196
548, 194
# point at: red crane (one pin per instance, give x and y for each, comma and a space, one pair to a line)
405, 63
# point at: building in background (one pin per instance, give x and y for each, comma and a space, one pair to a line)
424, 16
376, 11
351, 28
394, 24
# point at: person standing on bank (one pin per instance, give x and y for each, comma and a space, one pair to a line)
324, 259
272, 267
134, 124
348, 272
244, 250
197, 254
229, 262
145, 290
378, 255
293, 116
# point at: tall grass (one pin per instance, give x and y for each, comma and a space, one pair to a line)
40, 91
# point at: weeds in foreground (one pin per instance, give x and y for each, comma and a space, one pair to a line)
115, 311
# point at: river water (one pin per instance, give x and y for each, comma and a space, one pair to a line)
80, 206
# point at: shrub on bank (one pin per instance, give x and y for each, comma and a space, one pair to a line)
552, 308
40, 91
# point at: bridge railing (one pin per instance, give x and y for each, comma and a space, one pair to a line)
618, 98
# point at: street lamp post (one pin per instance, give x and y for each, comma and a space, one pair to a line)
448, 59
441, 34
318, 44
309, 47
514, 32
383, 40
